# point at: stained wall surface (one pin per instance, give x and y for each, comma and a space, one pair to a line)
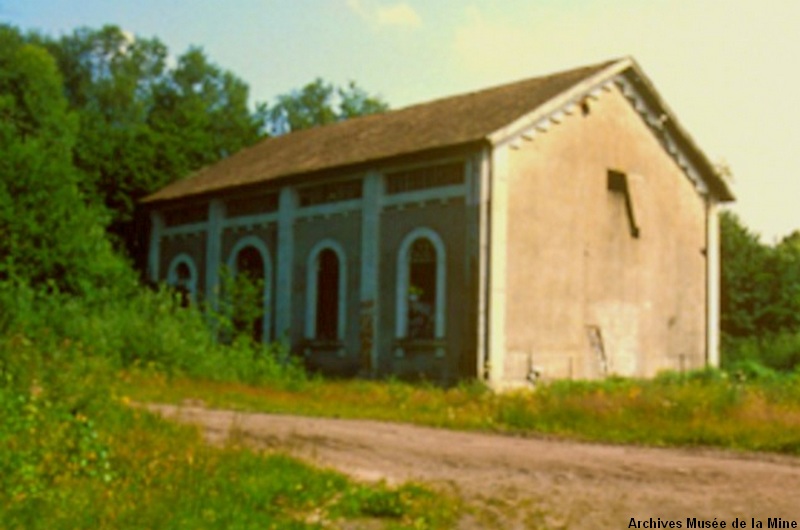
585, 297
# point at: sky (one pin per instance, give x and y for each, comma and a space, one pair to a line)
723, 66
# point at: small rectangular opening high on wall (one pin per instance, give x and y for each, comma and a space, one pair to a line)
618, 182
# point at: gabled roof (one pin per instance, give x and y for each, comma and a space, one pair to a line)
484, 116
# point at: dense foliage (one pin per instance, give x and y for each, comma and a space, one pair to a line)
142, 121
76, 454
50, 235
320, 103
760, 305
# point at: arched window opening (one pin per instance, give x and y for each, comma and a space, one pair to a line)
183, 283
422, 290
421, 278
247, 293
327, 317
182, 276
326, 292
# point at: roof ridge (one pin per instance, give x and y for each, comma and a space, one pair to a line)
449, 121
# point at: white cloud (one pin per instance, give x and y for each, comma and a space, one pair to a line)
400, 14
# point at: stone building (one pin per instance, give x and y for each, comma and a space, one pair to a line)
562, 226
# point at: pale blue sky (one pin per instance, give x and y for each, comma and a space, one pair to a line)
726, 67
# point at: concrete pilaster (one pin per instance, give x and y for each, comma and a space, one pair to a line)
498, 242
478, 195
283, 301
713, 283
216, 213
370, 240
154, 254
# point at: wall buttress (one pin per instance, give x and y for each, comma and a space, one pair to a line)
216, 213
156, 230
713, 283
370, 241
283, 302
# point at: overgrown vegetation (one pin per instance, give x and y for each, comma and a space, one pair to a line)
76, 456
756, 411
760, 299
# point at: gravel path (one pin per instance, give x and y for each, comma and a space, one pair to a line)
523, 482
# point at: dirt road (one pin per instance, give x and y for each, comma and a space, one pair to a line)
523, 482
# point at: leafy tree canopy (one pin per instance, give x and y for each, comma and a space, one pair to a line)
320, 103
760, 283
49, 236
143, 122
128, 119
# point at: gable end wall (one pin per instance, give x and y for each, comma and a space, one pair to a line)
573, 265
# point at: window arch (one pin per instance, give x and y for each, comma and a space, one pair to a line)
252, 256
326, 292
182, 275
421, 277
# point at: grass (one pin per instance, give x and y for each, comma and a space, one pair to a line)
75, 455
162, 476
706, 408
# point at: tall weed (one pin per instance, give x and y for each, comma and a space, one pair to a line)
777, 351
707, 407
145, 329
75, 456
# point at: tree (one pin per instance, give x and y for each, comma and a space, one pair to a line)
320, 103
745, 278
143, 124
786, 283
760, 283
200, 114
49, 236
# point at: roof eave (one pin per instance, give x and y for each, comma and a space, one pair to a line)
717, 185
592, 85
158, 199
572, 95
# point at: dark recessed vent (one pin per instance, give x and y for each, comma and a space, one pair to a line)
330, 192
618, 183
425, 178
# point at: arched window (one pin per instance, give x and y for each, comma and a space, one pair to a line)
182, 275
421, 266
326, 296
250, 267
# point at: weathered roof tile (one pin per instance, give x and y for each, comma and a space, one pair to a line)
447, 122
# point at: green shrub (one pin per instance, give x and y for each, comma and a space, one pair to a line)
75, 456
145, 329
778, 351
